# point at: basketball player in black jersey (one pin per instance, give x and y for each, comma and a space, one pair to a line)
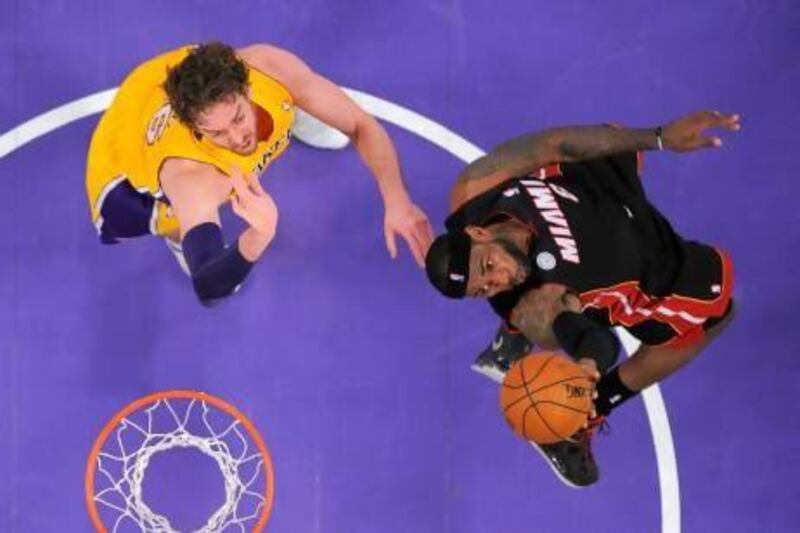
555, 230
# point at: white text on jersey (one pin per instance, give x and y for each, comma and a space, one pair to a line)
546, 203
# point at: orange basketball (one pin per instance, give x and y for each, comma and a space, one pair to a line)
545, 397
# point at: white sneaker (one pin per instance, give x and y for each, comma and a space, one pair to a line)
177, 251
315, 133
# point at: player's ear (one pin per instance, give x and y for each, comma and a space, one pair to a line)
478, 233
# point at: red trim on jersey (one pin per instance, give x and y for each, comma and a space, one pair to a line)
547, 172
627, 305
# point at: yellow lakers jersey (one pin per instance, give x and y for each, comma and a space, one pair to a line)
139, 131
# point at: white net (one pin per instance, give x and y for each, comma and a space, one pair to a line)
165, 425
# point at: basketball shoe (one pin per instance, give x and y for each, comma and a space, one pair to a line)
506, 347
572, 460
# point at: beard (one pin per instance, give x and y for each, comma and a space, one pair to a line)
518, 255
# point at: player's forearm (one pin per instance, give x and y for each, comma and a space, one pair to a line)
589, 142
527, 153
377, 151
252, 244
217, 270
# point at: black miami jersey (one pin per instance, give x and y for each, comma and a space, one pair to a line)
596, 233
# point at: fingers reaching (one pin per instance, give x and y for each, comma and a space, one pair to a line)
417, 248
255, 185
423, 237
391, 245
240, 186
690, 133
732, 123
236, 205
425, 233
411, 223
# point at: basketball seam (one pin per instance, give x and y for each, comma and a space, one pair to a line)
559, 382
531, 399
567, 407
533, 403
544, 420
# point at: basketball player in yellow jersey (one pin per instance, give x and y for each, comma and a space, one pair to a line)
192, 129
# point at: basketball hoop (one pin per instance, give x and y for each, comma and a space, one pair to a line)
116, 467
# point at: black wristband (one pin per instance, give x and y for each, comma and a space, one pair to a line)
216, 270
581, 337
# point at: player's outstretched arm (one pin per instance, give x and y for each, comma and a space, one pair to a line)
323, 99
524, 154
196, 191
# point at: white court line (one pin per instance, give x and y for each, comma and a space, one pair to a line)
54, 119
665, 447
462, 149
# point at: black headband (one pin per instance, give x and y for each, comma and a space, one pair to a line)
447, 263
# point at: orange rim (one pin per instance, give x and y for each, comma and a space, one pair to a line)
222, 405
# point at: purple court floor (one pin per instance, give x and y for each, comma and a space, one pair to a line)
353, 369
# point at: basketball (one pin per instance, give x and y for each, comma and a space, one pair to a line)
545, 397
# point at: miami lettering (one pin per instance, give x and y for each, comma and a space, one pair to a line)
545, 201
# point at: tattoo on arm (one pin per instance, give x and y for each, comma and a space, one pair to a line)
518, 156
537, 310
589, 142
539, 332
481, 167
526, 153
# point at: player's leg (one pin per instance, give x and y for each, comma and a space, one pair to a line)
651, 364
122, 212
168, 227
679, 327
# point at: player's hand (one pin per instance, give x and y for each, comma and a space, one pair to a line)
589, 368
689, 133
408, 220
253, 204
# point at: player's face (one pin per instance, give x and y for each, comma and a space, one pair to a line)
230, 124
495, 266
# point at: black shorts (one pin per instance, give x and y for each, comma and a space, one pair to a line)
700, 297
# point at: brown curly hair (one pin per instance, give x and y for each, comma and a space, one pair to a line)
210, 73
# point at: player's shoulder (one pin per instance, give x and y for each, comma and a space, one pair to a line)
477, 208
273, 60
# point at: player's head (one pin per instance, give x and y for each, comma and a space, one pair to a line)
208, 91
477, 262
